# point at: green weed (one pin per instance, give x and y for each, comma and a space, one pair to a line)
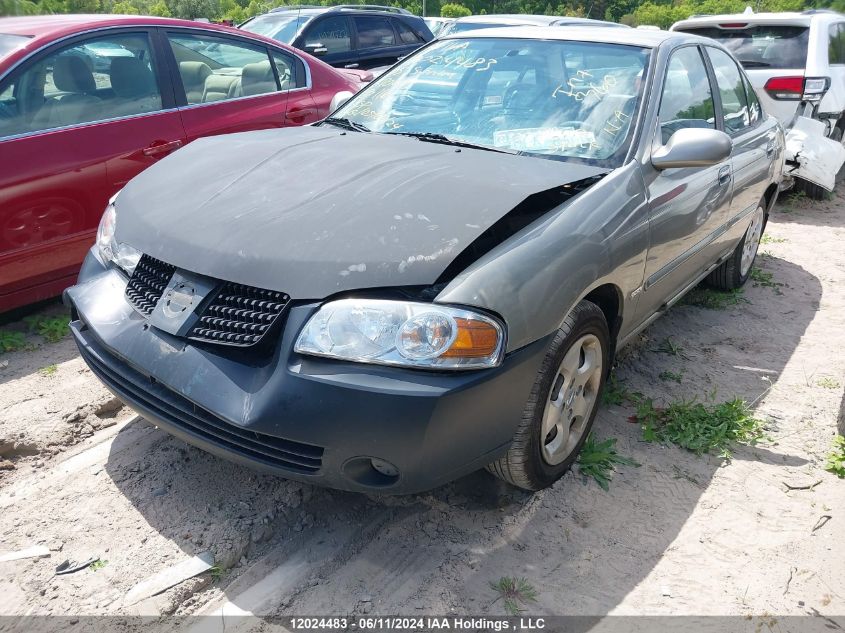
11, 341
836, 458
770, 239
763, 278
670, 347
98, 564
700, 428
514, 591
599, 459
713, 299
667, 375
49, 370
51, 329
828, 383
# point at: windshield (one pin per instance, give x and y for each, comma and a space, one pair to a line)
8, 43
762, 46
462, 27
555, 99
280, 28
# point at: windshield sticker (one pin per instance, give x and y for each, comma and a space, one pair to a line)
616, 123
544, 139
582, 86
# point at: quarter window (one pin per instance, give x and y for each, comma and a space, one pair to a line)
836, 45
406, 35
731, 90
218, 69
290, 70
374, 32
687, 101
100, 79
332, 33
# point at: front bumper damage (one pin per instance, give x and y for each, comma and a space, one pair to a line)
304, 418
810, 155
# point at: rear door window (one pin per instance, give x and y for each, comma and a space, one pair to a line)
762, 46
406, 35
374, 32
731, 91
332, 33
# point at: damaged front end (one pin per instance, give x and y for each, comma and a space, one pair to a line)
810, 155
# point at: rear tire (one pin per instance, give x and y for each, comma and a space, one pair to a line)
563, 402
735, 271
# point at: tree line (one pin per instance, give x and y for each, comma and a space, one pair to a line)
660, 13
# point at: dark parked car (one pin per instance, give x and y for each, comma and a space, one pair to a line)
436, 278
345, 36
87, 102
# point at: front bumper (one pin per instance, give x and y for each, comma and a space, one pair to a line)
301, 417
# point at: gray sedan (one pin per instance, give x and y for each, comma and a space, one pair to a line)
435, 279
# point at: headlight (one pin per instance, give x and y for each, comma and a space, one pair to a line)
110, 251
403, 333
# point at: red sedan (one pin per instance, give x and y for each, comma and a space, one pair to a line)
87, 102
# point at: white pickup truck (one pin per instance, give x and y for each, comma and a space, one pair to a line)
796, 63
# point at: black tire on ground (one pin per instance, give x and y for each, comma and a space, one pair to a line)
811, 190
524, 465
729, 275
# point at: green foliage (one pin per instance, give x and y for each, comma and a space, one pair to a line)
11, 341
667, 375
453, 10
698, 427
514, 591
763, 278
98, 564
51, 329
836, 458
49, 370
770, 239
125, 7
713, 299
599, 459
160, 9
828, 383
615, 392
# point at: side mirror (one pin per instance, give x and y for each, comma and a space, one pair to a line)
339, 99
693, 147
316, 49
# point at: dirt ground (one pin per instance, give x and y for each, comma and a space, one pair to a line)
680, 534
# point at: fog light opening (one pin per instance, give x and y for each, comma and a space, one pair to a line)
371, 472
385, 468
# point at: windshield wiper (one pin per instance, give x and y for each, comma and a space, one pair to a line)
750, 63
346, 124
433, 137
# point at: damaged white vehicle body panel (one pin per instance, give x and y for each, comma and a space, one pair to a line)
811, 155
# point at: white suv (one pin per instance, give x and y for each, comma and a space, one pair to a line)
795, 61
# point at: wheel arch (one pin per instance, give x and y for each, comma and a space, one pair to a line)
608, 297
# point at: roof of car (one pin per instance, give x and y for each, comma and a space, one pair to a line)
49, 26
507, 18
786, 17
632, 37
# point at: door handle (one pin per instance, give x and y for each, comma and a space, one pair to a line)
161, 147
352, 65
300, 113
724, 175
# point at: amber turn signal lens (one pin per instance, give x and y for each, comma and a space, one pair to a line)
475, 339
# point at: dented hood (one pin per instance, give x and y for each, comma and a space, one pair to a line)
312, 211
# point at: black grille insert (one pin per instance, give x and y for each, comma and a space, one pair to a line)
147, 283
239, 315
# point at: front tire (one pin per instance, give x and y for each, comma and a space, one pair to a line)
562, 406
734, 272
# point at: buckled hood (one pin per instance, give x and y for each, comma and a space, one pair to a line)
312, 211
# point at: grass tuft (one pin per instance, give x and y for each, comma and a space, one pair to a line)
828, 383
770, 239
667, 375
836, 458
11, 341
98, 564
764, 279
514, 592
599, 459
49, 370
713, 299
51, 329
701, 428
